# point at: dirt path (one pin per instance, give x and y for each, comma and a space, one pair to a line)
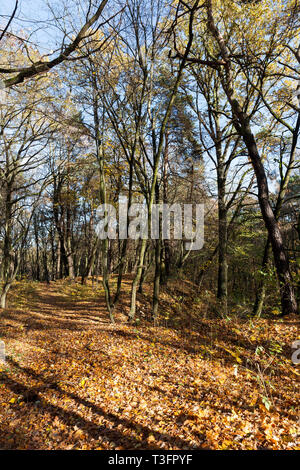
72, 380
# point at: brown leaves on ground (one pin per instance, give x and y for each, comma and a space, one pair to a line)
74, 381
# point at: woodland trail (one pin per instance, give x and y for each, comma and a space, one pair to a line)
74, 381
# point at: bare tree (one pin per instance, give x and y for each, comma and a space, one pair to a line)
19, 74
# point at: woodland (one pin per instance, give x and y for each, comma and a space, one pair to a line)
116, 343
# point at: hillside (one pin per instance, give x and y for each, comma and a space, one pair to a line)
72, 380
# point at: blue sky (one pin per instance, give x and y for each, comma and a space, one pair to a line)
35, 19
29, 13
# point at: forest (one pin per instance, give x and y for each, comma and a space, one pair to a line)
150, 225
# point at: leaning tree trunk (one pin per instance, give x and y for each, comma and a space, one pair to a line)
158, 260
288, 300
242, 124
261, 291
222, 250
122, 262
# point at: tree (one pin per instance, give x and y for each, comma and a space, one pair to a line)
24, 134
24, 72
230, 55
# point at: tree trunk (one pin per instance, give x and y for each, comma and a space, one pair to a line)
261, 290
137, 279
242, 124
288, 300
222, 250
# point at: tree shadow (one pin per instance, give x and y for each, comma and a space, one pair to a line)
94, 431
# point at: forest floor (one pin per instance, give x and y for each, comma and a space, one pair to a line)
72, 380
